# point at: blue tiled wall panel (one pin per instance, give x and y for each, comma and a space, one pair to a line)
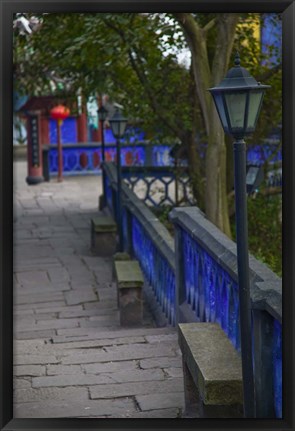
68, 131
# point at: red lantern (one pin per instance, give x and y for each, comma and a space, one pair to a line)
59, 112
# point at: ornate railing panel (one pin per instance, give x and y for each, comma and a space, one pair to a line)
159, 185
207, 290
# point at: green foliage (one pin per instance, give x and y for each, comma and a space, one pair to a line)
162, 214
265, 230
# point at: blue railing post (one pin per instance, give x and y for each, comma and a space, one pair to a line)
179, 277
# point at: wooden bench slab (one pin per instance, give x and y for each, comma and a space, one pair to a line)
213, 364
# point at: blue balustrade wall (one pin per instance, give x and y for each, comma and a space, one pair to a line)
196, 279
156, 268
207, 291
145, 238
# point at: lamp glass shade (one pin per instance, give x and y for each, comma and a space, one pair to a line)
255, 100
102, 113
238, 99
236, 108
118, 125
220, 109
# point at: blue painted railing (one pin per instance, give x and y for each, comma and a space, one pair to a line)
147, 240
196, 279
207, 291
85, 158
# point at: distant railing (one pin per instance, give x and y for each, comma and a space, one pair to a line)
85, 158
196, 280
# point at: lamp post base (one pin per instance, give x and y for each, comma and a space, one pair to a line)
33, 180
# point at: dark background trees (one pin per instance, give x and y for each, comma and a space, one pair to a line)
134, 59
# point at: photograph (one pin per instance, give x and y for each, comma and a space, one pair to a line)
147, 215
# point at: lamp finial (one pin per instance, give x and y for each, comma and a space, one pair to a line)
237, 60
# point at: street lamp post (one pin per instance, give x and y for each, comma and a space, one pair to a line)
118, 125
238, 100
102, 115
59, 113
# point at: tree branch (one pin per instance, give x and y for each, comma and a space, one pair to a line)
269, 73
208, 26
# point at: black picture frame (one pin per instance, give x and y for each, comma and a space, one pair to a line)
7, 8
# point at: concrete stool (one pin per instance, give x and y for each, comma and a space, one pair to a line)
212, 372
103, 236
129, 284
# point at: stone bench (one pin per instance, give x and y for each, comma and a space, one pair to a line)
212, 372
129, 284
103, 236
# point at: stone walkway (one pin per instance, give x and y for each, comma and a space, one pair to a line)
71, 358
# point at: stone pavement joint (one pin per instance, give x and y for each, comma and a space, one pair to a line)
71, 357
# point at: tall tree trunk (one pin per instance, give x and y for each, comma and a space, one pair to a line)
216, 196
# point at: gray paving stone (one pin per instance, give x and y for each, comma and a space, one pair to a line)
47, 394
29, 370
48, 288
104, 321
57, 323
99, 343
54, 370
101, 379
119, 353
110, 303
20, 321
29, 335
71, 380
27, 346
38, 298
110, 367
57, 308
159, 401
33, 278
80, 334
136, 388
88, 313
21, 383
45, 316
173, 371
58, 275
160, 414
34, 359
164, 362
73, 298
56, 409
161, 338
23, 312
